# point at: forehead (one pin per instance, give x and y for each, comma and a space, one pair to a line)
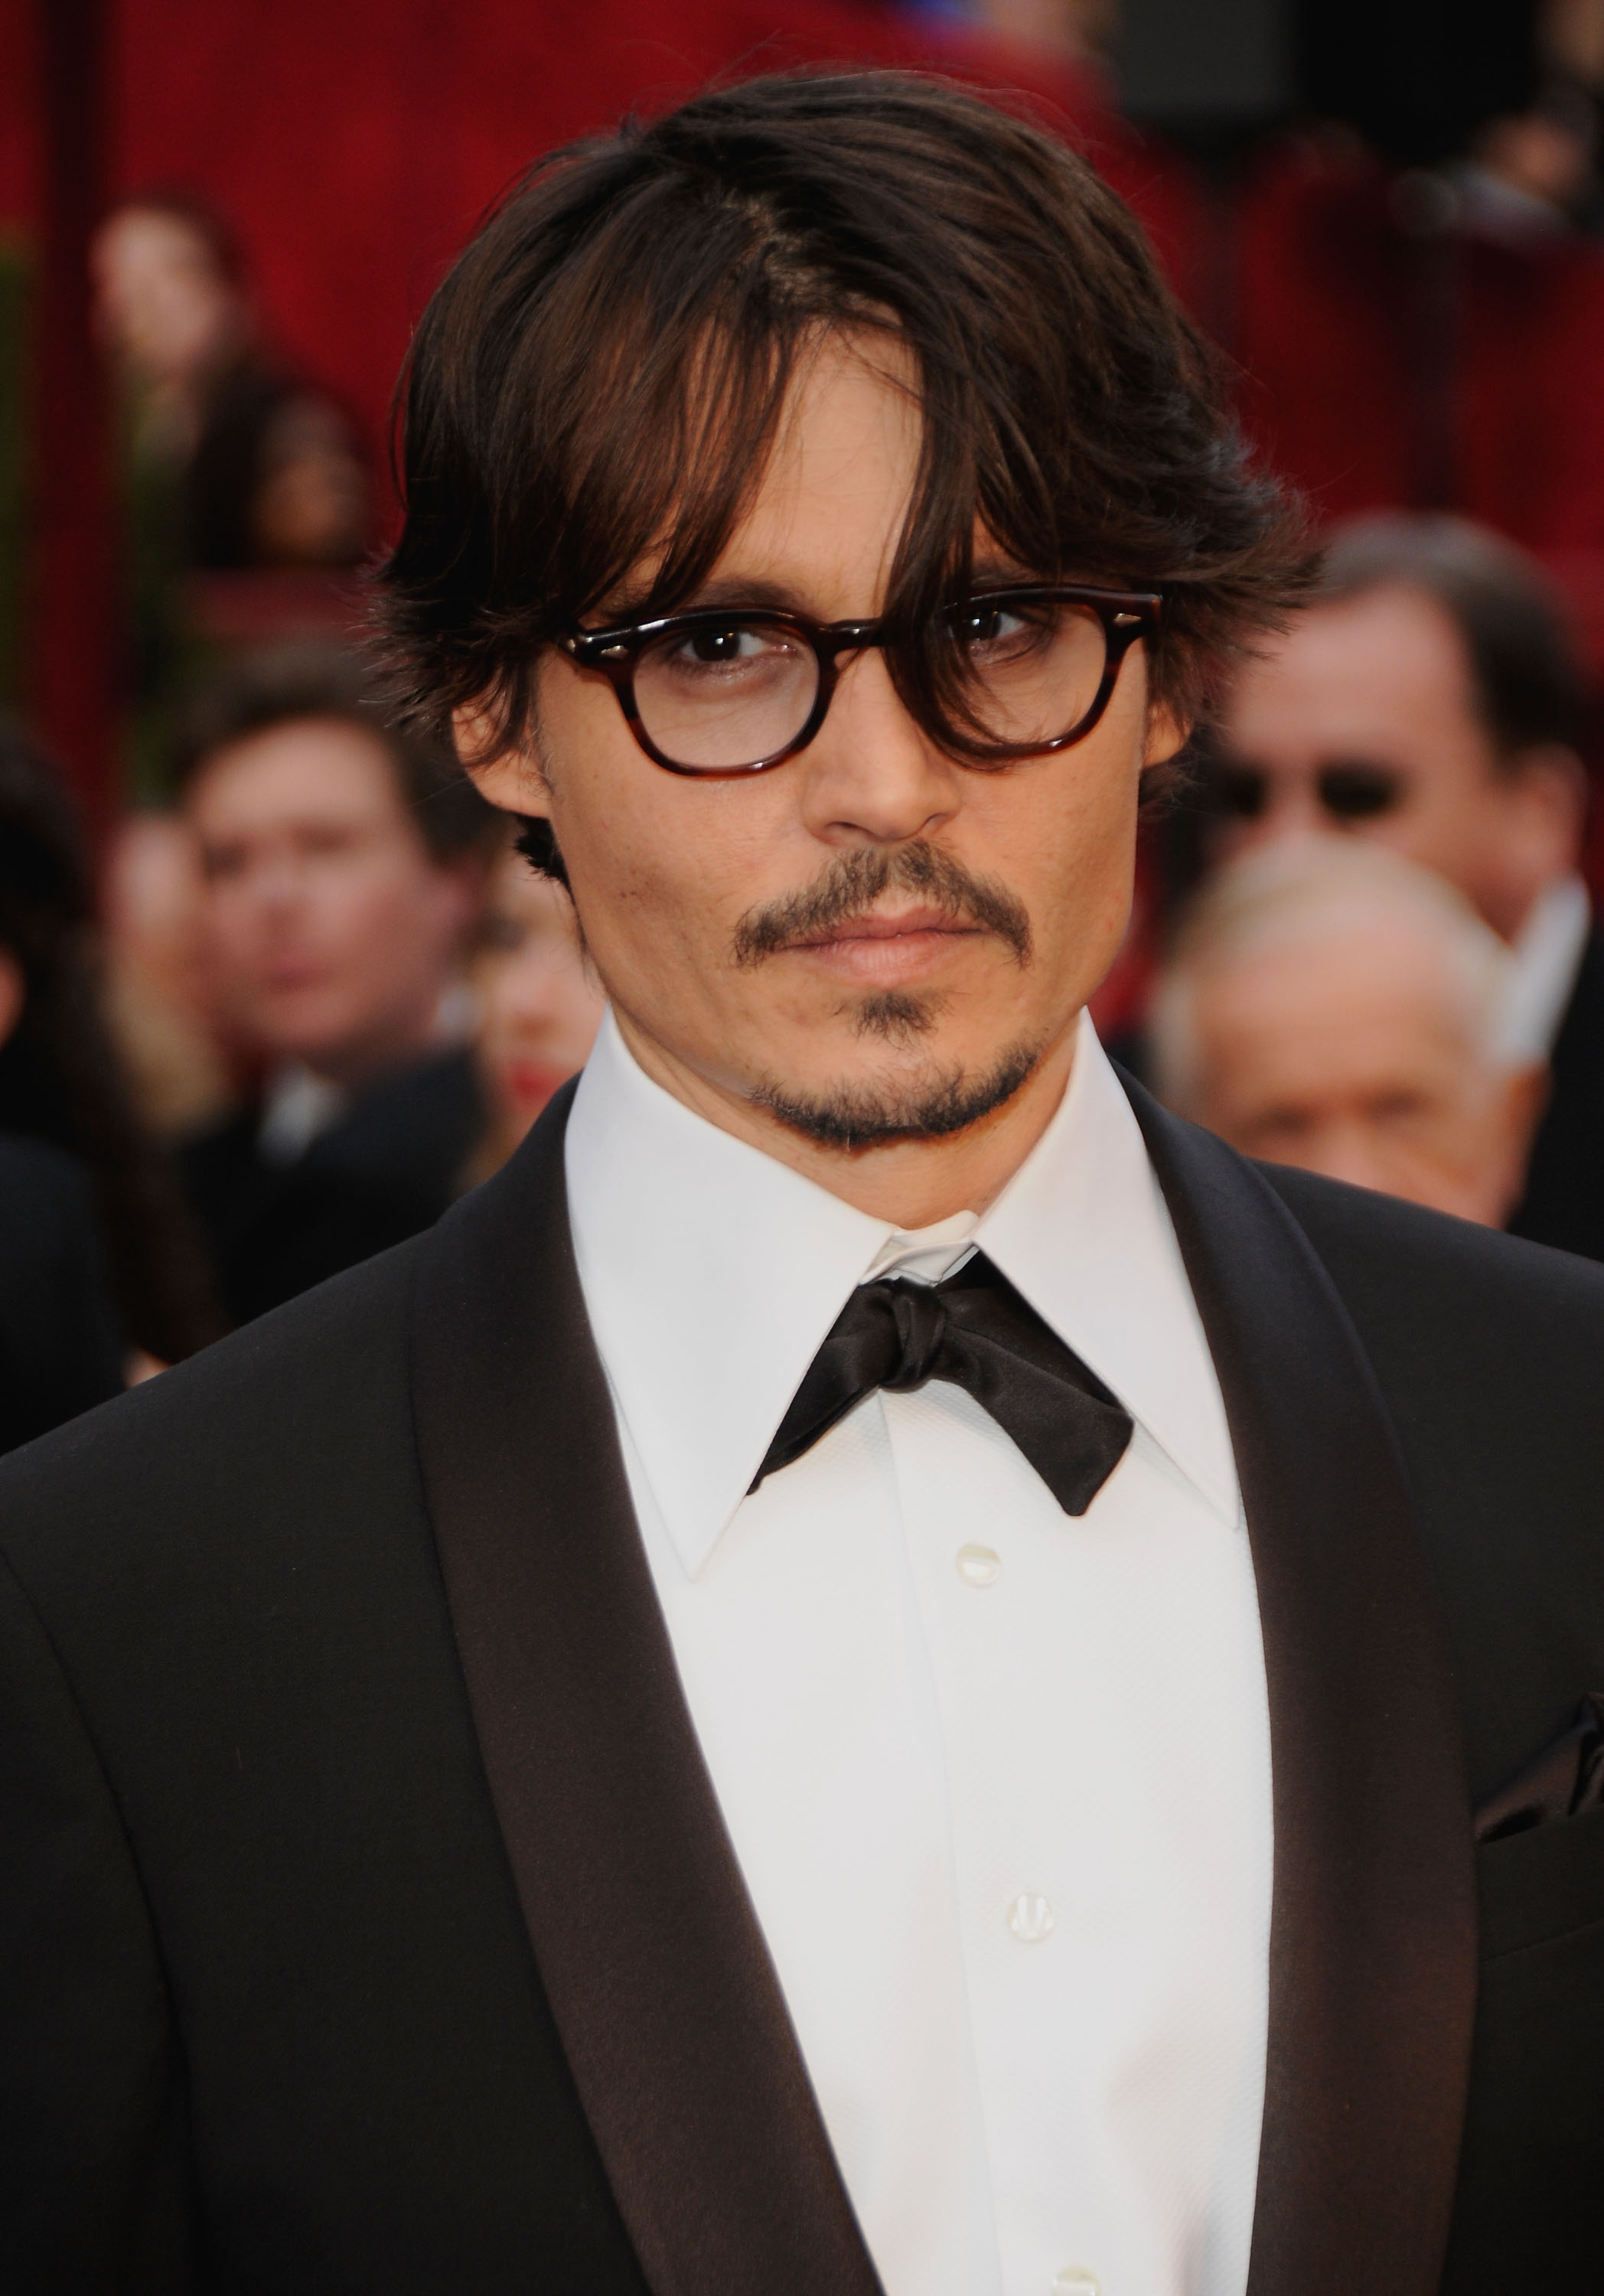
1383, 675
307, 769
820, 524
145, 241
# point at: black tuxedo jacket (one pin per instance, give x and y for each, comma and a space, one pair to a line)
385, 1170
1564, 1200
366, 1918
62, 1346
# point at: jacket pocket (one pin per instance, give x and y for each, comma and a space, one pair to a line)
1527, 2214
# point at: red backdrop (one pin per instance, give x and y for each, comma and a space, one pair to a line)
355, 146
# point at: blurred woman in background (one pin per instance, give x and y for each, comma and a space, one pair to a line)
539, 1004
97, 1266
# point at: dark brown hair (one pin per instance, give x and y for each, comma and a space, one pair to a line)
1525, 666
311, 679
597, 383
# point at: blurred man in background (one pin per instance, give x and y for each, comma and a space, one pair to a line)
343, 865
1332, 1006
1431, 700
539, 1004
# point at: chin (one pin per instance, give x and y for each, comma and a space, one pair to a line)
315, 1048
874, 1102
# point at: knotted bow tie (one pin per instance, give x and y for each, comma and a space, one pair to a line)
976, 1331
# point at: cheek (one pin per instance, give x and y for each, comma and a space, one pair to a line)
528, 990
1065, 841
1418, 833
376, 911
669, 873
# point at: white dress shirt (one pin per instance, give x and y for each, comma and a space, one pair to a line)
997, 1777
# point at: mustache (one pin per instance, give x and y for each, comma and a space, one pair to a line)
850, 884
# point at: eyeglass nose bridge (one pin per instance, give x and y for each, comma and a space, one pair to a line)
836, 638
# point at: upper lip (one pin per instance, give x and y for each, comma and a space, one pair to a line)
884, 924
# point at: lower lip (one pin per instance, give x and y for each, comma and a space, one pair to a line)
885, 958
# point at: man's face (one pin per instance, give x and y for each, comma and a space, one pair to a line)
1352, 1055
1369, 702
332, 928
871, 936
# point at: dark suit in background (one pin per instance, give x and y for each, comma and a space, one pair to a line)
1564, 1199
367, 1921
61, 1347
387, 1169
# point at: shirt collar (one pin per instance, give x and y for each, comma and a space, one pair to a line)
1545, 957
299, 1107
712, 1271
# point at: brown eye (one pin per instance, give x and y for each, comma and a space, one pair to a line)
717, 645
991, 634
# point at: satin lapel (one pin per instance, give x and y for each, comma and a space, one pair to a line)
669, 2010
1373, 1949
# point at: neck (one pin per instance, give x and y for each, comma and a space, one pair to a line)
911, 1184
363, 1061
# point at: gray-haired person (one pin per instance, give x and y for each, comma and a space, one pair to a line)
1329, 1004
1431, 700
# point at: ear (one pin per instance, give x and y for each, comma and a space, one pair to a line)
1167, 735
513, 780
1553, 782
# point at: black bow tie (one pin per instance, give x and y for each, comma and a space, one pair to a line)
976, 1331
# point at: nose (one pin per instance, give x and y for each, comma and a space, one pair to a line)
1345, 1148
1292, 809
277, 881
872, 775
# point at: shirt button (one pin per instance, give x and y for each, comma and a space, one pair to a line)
977, 1566
1030, 1918
1075, 2280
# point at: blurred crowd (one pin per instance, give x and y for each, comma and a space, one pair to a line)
310, 991
329, 996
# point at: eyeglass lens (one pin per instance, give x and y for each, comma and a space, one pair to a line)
1350, 793
733, 694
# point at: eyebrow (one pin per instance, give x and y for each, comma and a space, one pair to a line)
633, 602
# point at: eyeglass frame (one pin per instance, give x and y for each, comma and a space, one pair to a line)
1125, 615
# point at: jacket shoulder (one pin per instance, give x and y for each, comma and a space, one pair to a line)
1418, 1269
1494, 1342
1489, 1354
255, 1429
